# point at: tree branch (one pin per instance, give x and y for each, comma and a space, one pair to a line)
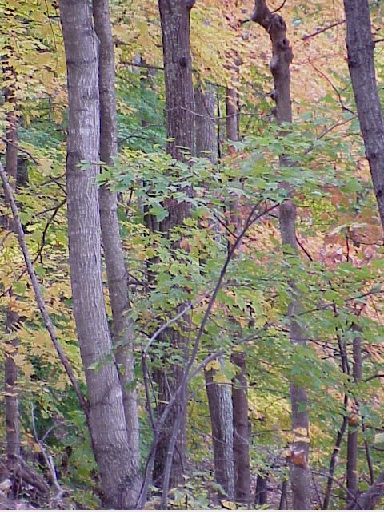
38, 295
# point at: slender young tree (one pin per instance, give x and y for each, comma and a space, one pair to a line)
360, 49
241, 430
123, 336
219, 394
106, 412
179, 96
12, 316
353, 420
280, 68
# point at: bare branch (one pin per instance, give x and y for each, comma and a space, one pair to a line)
321, 30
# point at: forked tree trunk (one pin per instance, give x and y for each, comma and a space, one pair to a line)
175, 27
219, 394
360, 48
123, 336
280, 68
106, 412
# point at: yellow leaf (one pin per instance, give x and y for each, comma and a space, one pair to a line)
228, 504
213, 365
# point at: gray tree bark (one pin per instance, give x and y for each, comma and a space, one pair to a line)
219, 394
360, 49
280, 68
205, 123
123, 335
221, 415
241, 429
106, 412
370, 498
175, 28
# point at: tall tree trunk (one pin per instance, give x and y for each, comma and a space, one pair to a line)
219, 394
175, 27
241, 429
360, 48
353, 430
123, 336
12, 317
280, 68
106, 412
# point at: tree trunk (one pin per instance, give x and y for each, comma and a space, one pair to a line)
241, 430
280, 68
360, 48
219, 394
261, 490
12, 317
232, 113
106, 413
353, 430
205, 124
11, 389
123, 336
221, 415
175, 26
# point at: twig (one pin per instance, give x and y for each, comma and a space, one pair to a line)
368, 455
252, 217
349, 494
332, 463
279, 8
21, 150
321, 30
48, 459
369, 499
45, 230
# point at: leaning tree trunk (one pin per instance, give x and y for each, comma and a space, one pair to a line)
123, 336
219, 394
106, 413
360, 48
175, 27
280, 68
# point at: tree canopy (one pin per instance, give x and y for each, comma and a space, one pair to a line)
149, 295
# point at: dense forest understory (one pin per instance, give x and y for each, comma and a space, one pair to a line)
191, 254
